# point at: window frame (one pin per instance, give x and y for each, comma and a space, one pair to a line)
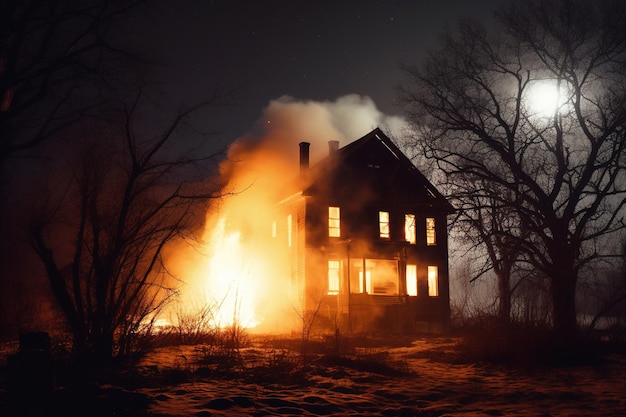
410, 228
334, 222
433, 280
384, 226
431, 231
334, 278
412, 289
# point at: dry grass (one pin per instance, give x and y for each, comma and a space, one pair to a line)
360, 375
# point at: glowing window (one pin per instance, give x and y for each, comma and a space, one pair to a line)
433, 281
365, 285
289, 229
431, 239
411, 279
333, 277
274, 229
384, 278
383, 224
359, 282
409, 228
374, 276
334, 222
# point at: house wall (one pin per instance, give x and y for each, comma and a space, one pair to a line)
353, 311
363, 178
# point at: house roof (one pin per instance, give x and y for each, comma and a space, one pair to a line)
376, 164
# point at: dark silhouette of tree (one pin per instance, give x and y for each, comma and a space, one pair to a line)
563, 172
485, 226
101, 233
55, 57
610, 294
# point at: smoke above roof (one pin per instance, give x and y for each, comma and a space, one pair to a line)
272, 143
241, 270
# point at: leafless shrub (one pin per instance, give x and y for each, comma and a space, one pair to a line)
195, 325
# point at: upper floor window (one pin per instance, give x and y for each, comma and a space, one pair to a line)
383, 224
274, 229
334, 222
333, 277
431, 237
409, 228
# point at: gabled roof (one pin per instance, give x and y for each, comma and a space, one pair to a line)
374, 160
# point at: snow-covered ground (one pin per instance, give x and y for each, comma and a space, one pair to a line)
420, 376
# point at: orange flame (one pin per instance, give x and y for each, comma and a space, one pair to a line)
246, 271
229, 278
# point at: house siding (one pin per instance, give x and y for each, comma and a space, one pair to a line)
362, 179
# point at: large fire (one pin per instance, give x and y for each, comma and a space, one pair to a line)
235, 293
241, 270
242, 273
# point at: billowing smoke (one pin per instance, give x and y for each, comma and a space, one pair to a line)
287, 121
243, 274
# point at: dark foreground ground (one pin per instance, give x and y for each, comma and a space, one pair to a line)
419, 376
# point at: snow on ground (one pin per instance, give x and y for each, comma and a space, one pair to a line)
425, 383
420, 376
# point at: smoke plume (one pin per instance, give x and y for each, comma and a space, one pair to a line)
243, 274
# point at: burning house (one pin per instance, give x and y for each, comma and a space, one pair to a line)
365, 234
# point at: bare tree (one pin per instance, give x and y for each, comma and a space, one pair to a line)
485, 226
609, 295
59, 63
307, 312
51, 54
471, 103
101, 234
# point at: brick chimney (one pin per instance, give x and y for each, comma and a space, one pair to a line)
333, 146
304, 157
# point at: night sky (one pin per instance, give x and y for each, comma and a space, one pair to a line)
267, 49
262, 50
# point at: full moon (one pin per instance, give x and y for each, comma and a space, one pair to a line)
542, 98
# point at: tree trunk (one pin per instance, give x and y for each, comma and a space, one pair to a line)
504, 292
563, 293
103, 349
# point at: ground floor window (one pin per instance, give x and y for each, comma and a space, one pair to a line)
374, 276
433, 281
360, 276
333, 277
411, 279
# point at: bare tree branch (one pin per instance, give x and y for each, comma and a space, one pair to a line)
561, 176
